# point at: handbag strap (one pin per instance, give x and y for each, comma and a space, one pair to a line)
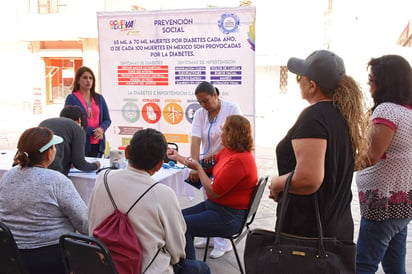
285, 201
315, 203
111, 197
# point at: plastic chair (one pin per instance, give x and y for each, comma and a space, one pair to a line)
84, 255
10, 260
250, 216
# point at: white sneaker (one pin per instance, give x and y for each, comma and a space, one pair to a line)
216, 253
202, 243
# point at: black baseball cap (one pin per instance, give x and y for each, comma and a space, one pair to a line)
323, 67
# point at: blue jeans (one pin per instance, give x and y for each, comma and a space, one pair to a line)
208, 219
382, 241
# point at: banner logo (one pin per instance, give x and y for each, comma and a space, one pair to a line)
122, 25
229, 23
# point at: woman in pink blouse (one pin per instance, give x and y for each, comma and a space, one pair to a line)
95, 109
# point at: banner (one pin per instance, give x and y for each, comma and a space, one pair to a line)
152, 61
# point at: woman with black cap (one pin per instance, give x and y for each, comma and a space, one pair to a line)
323, 148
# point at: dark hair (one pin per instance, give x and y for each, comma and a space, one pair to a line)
76, 86
393, 80
206, 87
74, 112
29, 145
238, 133
147, 148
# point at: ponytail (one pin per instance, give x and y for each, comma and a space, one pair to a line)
348, 97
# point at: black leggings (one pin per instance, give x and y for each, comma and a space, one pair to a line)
43, 260
94, 151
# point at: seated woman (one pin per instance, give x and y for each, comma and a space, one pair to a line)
39, 204
229, 192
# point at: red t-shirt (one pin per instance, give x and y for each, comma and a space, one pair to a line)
235, 177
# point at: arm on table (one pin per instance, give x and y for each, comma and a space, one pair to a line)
78, 153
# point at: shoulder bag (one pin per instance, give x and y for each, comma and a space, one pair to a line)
276, 252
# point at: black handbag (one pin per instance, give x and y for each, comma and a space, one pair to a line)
276, 252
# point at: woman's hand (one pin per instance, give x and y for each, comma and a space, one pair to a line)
208, 159
192, 164
98, 133
276, 186
172, 154
189, 162
193, 176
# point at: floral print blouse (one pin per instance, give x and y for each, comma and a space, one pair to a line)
385, 189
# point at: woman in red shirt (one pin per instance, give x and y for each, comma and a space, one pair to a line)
229, 190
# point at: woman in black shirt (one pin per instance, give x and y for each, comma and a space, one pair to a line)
323, 147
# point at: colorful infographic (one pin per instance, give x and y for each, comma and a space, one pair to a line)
152, 61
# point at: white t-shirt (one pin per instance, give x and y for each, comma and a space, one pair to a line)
209, 131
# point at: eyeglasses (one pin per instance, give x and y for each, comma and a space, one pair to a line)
298, 78
371, 79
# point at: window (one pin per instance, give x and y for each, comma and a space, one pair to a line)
59, 77
51, 6
283, 79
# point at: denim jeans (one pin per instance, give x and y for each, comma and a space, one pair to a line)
208, 219
382, 241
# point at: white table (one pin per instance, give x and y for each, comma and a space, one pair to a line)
174, 178
84, 181
6, 160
